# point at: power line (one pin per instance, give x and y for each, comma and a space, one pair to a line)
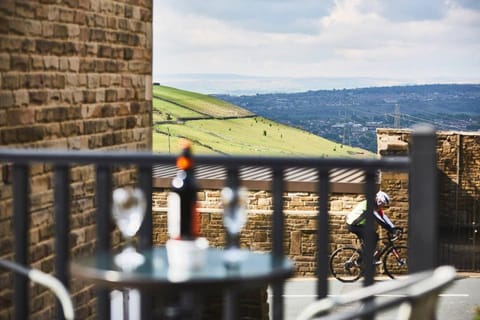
418, 120
396, 118
405, 116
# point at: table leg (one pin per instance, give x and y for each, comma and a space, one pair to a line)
230, 305
126, 302
186, 306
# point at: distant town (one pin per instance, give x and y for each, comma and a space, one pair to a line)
351, 116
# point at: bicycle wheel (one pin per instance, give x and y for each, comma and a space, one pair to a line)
345, 264
395, 261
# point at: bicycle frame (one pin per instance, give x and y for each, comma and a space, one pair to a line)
346, 263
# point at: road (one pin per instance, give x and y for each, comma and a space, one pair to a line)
456, 303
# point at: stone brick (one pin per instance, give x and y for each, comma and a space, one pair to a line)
70, 48
74, 64
60, 31
36, 63
48, 47
51, 63
127, 53
105, 51
97, 35
26, 9
139, 67
8, 136
86, 65
20, 116
47, 30
10, 81
30, 134
20, 63
92, 81
66, 15
6, 99
27, 46
131, 122
3, 25
38, 97
7, 7
53, 114
112, 66
3, 121
19, 27
100, 96
80, 18
110, 95
35, 80
295, 242
58, 81
89, 96
105, 80
4, 61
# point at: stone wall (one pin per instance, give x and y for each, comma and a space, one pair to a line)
74, 75
300, 223
301, 208
458, 164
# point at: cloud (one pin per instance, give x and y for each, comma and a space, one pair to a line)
309, 38
406, 10
284, 16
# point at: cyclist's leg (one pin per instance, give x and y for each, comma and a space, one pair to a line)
358, 231
377, 251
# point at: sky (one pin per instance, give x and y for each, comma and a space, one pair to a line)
295, 45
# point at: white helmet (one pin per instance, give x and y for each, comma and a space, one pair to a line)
382, 197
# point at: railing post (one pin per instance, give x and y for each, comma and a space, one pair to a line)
104, 228
322, 234
231, 296
20, 243
146, 230
370, 230
62, 228
423, 215
278, 228
146, 233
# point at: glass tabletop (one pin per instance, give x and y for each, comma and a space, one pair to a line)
256, 269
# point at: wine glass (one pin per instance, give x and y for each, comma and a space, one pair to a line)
128, 210
234, 218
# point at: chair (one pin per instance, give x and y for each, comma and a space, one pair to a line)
45, 280
418, 299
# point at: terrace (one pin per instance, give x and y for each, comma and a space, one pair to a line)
420, 166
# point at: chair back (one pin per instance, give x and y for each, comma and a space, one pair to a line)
416, 298
45, 280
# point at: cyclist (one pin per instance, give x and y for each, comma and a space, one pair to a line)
356, 218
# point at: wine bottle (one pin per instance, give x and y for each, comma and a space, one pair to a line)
183, 217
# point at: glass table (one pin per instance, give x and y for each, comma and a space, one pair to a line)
256, 270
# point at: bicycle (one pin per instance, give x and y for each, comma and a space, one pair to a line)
346, 262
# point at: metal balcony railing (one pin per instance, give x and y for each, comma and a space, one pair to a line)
420, 165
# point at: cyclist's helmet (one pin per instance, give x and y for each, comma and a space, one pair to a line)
382, 198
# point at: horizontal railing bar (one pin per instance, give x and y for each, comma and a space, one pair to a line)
145, 158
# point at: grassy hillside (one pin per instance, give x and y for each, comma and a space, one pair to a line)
199, 103
217, 127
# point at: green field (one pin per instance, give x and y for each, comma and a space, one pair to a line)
164, 111
244, 135
200, 103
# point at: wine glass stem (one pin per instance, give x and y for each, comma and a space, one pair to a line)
128, 242
233, 240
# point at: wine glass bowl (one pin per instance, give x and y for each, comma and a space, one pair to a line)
128, 211
234, 218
